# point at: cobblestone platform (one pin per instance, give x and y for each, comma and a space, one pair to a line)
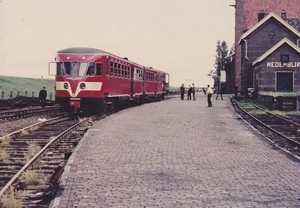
178, 153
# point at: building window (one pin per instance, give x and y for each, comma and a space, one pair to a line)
271, 34
285, 58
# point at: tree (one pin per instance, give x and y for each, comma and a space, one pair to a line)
222, 57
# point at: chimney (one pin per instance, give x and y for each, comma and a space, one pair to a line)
283, 14
261, 15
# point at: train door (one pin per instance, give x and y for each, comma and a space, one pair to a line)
157, 82
144, 81
166, 80
97, 72
131, 81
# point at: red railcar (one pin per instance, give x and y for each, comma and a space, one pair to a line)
89, 80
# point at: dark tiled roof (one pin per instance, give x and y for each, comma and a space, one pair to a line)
294, 22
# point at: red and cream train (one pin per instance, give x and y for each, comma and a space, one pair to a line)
89, 80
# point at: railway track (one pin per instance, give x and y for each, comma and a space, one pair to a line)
36, 153
283, 130
7, 115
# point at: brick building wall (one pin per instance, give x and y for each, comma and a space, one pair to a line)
246, 16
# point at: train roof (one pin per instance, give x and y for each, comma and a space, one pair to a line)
82, 50
86, 50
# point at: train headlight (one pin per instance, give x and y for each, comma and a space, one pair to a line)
66, 86
82, 86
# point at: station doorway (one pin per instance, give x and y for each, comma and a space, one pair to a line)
284, 82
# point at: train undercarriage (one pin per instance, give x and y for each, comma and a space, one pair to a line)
101, 106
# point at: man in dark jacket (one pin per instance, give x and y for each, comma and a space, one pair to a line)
42, 96
182, 91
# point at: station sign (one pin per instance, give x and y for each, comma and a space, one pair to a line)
281, 64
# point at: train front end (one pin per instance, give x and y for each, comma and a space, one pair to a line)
79, 78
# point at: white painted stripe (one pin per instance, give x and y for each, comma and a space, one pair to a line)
89, 86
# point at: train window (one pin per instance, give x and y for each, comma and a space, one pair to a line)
122, 71
116, 70
111, 69
119, 70
160, 78
149, 76
60, 69
128, 72
82, 68
136, 74
141, 75
67, 66
99, 69
75, 68
91, 69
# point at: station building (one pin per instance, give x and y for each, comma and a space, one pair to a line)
247, 14
269, 61
270, 47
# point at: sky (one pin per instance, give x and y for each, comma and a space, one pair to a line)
176, 36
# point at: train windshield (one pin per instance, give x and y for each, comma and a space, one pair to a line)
72, 68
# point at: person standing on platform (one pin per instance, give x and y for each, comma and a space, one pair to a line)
189, 93
235, 90
209, 93
42, 97
182, 91
193, 91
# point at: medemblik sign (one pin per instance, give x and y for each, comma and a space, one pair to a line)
280, 64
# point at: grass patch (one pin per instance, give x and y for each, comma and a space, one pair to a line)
24, 132
4, 155
33, 149
247, 103
276, 94
32, 177
52, 138
5, 140
10, 201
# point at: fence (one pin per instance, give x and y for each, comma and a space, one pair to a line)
18, 94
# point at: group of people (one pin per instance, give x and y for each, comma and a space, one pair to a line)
192, 91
